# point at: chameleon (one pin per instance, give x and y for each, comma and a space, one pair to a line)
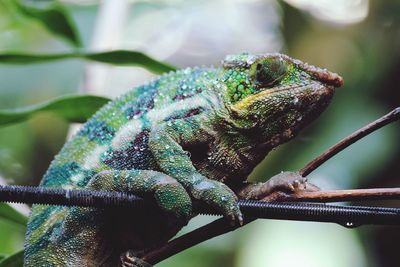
190, 135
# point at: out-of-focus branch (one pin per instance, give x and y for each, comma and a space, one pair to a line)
351, 139
211, 230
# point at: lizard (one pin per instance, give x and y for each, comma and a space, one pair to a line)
193, 134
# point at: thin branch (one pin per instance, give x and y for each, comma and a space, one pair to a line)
338, 195
206, 232
354, 137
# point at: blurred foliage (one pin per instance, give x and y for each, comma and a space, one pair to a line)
9, 213
52, 16
362, 48
71, 108
120, 57
16, 260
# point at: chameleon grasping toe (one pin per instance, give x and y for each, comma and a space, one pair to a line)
193, 134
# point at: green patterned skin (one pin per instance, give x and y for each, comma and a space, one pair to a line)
190, 134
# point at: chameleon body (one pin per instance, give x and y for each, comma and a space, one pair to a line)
191, 134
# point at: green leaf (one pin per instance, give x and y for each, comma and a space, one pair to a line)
54, 17
117, 57
9, 213
15, 260
76, 108
124, 57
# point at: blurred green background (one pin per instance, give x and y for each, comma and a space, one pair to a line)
358, 39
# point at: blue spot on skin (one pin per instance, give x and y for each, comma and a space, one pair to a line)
190, 86
58, 176
85, 218
97, 131
144, 101
40, 218
56, 232
43, 241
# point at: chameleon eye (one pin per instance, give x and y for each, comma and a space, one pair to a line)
269, 71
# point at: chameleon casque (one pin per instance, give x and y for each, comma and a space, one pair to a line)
193, 134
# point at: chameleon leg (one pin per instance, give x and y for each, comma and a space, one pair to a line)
286, 181
167, 142
168, 193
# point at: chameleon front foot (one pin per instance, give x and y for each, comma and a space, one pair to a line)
290, 182
129, 259
170, 195
219, 196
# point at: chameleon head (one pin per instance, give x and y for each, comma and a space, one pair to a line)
273, 96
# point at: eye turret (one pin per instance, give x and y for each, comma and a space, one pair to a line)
268, 72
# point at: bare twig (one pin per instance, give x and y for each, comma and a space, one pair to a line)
338, 195
219, 227
208, 231
354, 137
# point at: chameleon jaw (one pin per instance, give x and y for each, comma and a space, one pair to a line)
245, 103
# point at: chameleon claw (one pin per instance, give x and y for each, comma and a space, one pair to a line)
235, 219
221, 197
240, 219
291, 186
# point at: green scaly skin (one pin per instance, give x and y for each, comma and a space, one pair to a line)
191, 134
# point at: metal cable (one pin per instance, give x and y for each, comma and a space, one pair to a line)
348, 216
